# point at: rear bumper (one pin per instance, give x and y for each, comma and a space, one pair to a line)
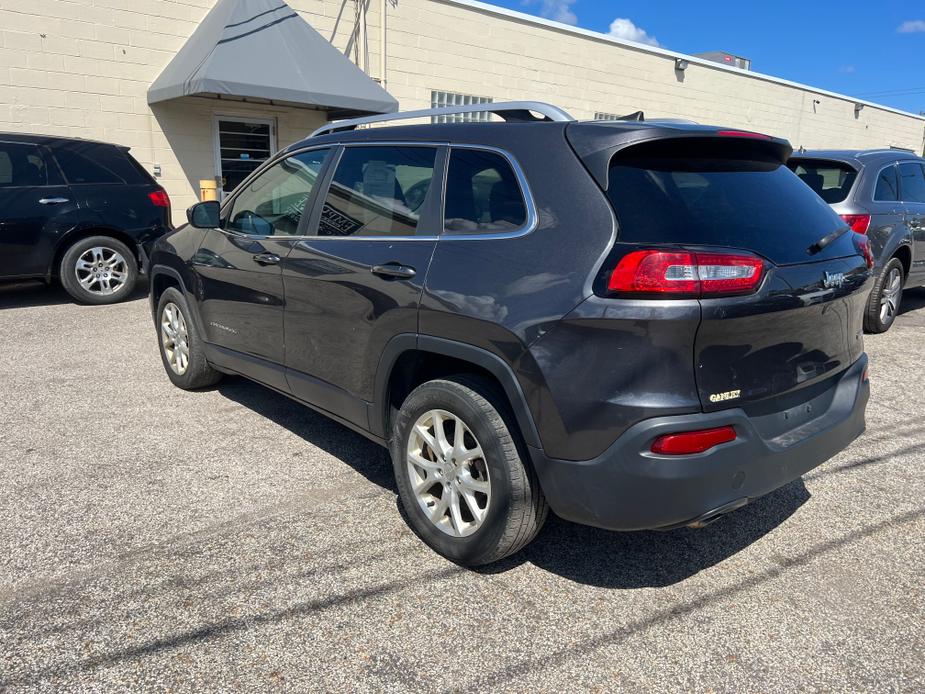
630, 488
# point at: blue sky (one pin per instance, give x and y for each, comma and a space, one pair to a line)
872, 50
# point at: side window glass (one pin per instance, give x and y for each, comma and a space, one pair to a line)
482, 193
378, 191
887, 189
22, 165
912, 182
86, 163
272, 204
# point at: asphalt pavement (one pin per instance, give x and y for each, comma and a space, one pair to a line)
231, 539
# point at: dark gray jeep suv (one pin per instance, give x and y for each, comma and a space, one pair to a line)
635, 324
880, 193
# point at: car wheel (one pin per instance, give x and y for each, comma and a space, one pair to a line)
465, 487
883, 303
181, 348
98, 270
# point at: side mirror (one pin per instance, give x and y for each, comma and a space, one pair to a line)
204, 215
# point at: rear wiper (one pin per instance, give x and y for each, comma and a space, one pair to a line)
826, 240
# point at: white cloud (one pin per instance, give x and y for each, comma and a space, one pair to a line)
558, 10
625, 29
912, 26
847, 69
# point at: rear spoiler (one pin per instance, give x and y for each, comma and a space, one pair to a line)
596, 143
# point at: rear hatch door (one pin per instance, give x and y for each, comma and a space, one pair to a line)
803, 323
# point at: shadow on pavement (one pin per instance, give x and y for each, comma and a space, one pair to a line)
29, 293
650, 559
580, 553
364, 456
912, 300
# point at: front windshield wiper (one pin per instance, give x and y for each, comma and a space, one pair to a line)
826, 240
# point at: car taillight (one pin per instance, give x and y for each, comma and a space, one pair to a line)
862, 243
159, 198
858, 222
690, 442
686, 272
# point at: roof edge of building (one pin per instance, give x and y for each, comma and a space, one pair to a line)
664, 52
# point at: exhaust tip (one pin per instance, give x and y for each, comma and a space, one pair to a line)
717, 513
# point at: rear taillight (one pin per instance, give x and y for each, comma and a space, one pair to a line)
862, 243
686, 272
690, 442
159, 198
865, 375
858, 222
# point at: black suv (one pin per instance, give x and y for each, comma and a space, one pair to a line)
80, 211
880, 193
636, 324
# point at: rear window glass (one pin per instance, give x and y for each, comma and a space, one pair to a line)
482, 193
830, 180
90, 162
713, 198
887, 189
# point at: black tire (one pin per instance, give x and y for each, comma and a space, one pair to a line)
94, 294
516, 508
198, 373
873, 323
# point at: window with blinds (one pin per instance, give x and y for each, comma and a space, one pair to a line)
444, 99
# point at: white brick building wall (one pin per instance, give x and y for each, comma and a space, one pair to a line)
82, 68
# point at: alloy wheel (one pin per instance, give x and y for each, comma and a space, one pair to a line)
448, 473
101, 270
889, 297
174, 338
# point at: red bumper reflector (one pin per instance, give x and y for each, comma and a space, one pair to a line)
689, 442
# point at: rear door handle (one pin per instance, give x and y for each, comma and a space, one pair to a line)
266, 259
52, 201
393, 270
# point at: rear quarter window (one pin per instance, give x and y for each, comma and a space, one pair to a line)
911, 182
90, 162
887, 188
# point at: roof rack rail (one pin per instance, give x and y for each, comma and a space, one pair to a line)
510, 111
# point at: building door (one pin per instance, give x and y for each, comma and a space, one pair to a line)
241, 145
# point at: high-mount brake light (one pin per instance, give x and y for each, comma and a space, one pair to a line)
858, 222
686, 272
743, 133
691, 442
